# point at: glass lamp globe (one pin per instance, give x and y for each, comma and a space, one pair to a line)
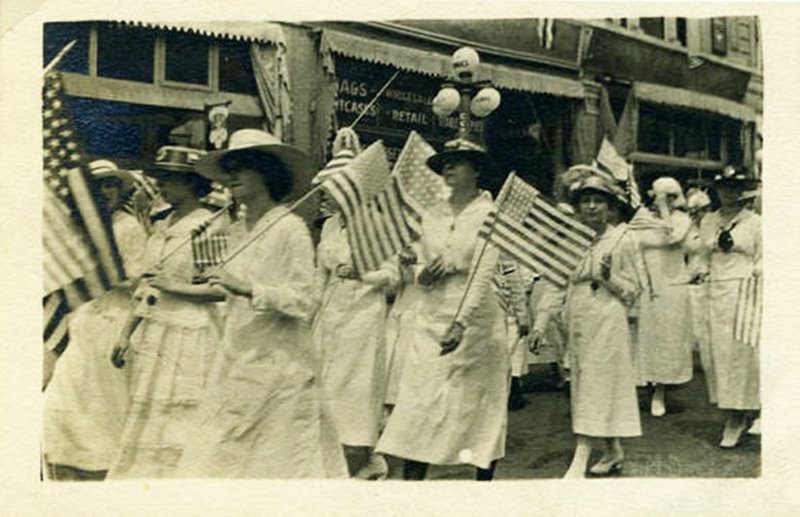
465, 62
446, 101
486, 101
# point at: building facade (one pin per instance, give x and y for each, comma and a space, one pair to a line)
677, 96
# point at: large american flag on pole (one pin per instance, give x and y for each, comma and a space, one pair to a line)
424, 188
81, 260
747, 318
380, 221
535, 233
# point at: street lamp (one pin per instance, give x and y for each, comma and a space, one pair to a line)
469, 97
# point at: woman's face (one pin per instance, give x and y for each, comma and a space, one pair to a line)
175, 188
460, 175
246, 183
111, 190
728, 195
593, 208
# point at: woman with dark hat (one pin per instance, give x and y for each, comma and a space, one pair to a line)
731, 254
174, 331
599, 293
86, 402
451, 402
262, 415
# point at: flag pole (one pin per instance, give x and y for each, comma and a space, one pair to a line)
205, 223
261, 232
474, 270
374, 99
61, 53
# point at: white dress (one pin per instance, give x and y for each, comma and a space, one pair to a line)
86, 401
734, 364
262, 416
350, 337
171, 354
400, 324
663, 346
452, 409
603, 384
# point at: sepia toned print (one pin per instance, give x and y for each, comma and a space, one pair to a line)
403, 250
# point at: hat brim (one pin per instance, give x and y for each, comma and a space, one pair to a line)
295, 160
126, 177
437, 162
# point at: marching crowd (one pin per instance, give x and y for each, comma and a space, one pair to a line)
285, 362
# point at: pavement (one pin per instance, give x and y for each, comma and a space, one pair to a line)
683, 443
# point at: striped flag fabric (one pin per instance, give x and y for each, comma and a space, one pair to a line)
536, 233
81, 260
210, 241
424, 188
380, 221
747, 318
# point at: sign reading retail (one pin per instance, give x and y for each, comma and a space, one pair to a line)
404, 106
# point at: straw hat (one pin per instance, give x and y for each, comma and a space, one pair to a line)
172, 159
100, 169
346, 146
295, 160
582, 178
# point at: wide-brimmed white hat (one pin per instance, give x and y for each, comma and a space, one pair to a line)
100, 169
296, 161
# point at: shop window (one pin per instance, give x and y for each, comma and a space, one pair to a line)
186, 58
654, 131
652, 26
236, 68
57, 36
125, 53
680, 30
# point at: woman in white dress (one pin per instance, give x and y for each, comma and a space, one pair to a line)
731, 256
451, 403
600, 291
663, 349
170, 341
262, 413
86, 402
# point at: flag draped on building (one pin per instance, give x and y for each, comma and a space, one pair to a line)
380, 221
81, 260
535, 233
747, 318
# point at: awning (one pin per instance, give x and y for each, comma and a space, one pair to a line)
258, 32
659, 94
437, 64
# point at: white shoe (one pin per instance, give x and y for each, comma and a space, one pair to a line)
657, 407
376, 469
756, 427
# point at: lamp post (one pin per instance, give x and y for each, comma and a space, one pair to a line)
469, 97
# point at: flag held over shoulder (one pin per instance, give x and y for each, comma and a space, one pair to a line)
380, 222
747, 317
536, 233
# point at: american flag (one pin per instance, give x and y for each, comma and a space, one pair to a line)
424, 187
747, 318
81, 260
535, 233
380, 221
210, 241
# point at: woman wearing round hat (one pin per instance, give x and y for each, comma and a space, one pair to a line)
173, 334
663, 349
451, 405
262, 415
600, 291
731, 250
349, 332
86, 402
